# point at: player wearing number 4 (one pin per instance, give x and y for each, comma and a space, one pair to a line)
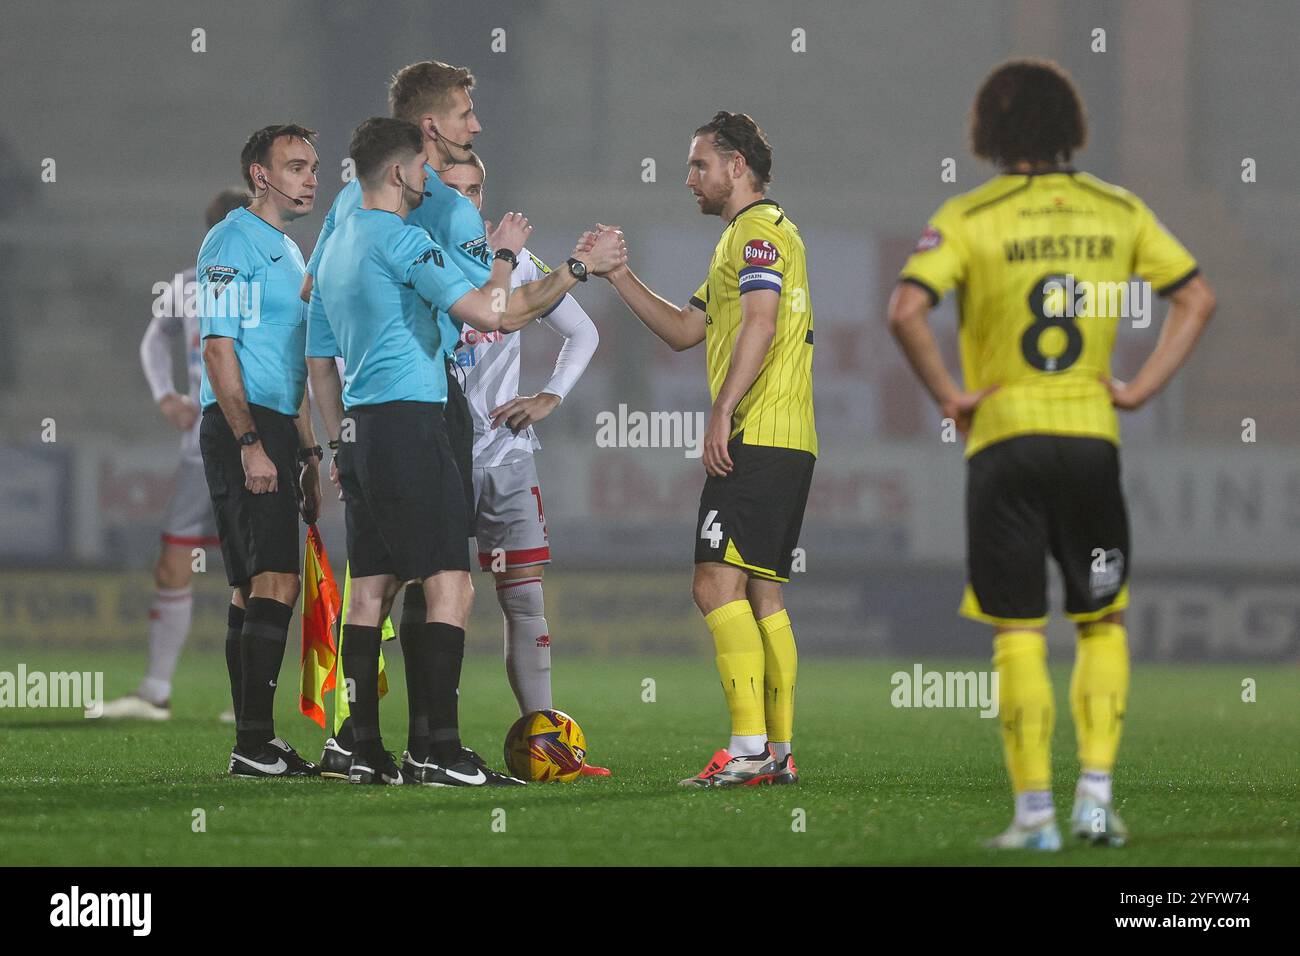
1038, 410
755, 318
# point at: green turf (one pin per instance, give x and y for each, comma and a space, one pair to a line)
1205, 778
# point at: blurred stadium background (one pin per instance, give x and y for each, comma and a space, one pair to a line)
144, 131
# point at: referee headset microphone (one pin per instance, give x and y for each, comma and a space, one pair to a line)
451, 142
261, 178
419, 192
407, 186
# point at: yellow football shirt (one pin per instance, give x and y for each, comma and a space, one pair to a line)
762, 249
1042, 265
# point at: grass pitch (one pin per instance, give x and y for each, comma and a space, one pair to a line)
1205, 779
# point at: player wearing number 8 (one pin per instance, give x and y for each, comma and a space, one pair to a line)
1039, 409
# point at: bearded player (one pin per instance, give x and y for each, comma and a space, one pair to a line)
754, 316
1038, 405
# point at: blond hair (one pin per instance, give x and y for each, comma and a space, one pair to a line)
425, 87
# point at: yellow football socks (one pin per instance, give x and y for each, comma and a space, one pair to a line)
740, 665
1099, 693
781, 663
1025, 708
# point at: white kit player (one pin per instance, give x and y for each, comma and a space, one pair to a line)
189, 523
509, 522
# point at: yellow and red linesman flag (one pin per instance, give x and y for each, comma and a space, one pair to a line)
320, 612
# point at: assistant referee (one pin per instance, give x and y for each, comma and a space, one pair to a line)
260, 457
381, 285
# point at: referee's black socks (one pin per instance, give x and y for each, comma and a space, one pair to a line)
361, 670
261, 652
448, 650
234, 626
417, 649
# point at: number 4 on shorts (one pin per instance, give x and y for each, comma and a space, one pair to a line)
711, 530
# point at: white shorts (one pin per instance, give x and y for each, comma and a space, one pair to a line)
509, 523
189, 521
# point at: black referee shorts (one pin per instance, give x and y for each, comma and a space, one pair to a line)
460, 433
402, 495
752, 517
1035, 495
259, 533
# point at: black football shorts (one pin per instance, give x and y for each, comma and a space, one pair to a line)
403, 498
1037, 495
751, 518
259, 533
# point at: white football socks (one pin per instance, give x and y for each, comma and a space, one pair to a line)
1095, 784
1034, 808
528, 642
747, 745
169, 625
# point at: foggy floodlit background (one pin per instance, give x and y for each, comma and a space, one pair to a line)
144, 131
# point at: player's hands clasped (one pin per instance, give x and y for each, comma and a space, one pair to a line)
259, 471
510, 233
522, 411
604, 251
180, 410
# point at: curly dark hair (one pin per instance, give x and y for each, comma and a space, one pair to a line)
738, 133
258, 148
1027, 111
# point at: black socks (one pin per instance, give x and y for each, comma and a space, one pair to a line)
417, 649
433, 653
261, 652
361, 673
234, 625
447, 651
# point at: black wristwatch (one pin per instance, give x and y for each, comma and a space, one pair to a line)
249, 438
507, 255
313, 451
577, 269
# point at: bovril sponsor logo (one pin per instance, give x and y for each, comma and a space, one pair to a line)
76, 908
931, 238
760, 252
473, 337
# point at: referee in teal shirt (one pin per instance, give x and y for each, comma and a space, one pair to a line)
259, 454
375, 303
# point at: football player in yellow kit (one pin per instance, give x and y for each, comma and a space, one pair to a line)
1041, 258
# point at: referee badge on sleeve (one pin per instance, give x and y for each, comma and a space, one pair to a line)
218, 277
